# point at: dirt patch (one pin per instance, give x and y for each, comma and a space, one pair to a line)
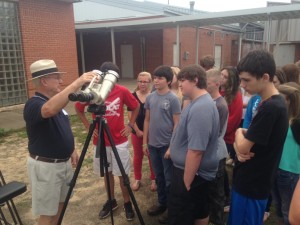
89, 192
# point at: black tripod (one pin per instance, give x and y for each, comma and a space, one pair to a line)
99, 111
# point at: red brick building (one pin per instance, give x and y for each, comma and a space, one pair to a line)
136, 35
140, 35
32, 30
117, 34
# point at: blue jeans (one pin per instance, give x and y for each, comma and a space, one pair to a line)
162, 169
285, 184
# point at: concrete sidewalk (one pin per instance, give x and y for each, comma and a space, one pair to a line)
12, 117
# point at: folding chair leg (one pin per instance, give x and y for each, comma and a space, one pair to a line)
11, 207
13, 211
15, 214
2, 218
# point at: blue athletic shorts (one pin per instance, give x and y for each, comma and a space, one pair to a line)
246, 211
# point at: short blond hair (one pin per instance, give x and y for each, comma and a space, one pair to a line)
175, 70
215, 74
145, 74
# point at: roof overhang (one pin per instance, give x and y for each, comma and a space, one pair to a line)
198, 20
70, 1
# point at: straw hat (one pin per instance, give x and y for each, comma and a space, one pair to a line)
43, 67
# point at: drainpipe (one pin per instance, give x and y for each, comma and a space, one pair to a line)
82, 52
113, 49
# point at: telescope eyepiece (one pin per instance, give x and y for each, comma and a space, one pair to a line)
85, 97
73, 97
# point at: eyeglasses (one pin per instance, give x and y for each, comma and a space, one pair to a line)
54, 76
143, 82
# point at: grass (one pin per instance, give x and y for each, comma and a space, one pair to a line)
4, 134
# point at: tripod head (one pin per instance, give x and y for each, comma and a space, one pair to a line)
98, 110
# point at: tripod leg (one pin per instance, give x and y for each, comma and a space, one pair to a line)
104, 166
124, 175
77, 170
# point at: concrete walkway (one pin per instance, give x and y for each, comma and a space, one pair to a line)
12, 117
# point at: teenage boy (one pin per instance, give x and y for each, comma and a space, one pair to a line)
259, 148
193, 152
162, 115
217, 194
117, 98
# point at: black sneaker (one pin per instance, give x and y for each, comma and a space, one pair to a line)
128, 211
163, 219
105, 212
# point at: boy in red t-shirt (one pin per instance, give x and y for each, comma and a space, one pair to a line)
115, 119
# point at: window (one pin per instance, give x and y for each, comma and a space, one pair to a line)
12, 75
218, 56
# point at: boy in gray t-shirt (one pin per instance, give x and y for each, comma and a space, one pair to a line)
162, 115
217, 193
193, 151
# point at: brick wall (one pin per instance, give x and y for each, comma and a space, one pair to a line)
207, 40
48, 32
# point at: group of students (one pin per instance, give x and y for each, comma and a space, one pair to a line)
280, 156
186, 125
171, 126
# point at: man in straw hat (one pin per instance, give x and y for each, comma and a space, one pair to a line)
51, 142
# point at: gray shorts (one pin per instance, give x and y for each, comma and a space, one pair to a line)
123, 152
49, 185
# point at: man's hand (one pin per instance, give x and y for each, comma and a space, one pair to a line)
242, 157
87, 78
241, 144
139, 133
74, 159
241, 131
167, 154
126, 131
187, 184
145, 149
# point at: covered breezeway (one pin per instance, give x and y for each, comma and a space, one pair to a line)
195, 21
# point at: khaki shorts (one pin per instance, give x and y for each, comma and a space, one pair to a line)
49, 185
123, 152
